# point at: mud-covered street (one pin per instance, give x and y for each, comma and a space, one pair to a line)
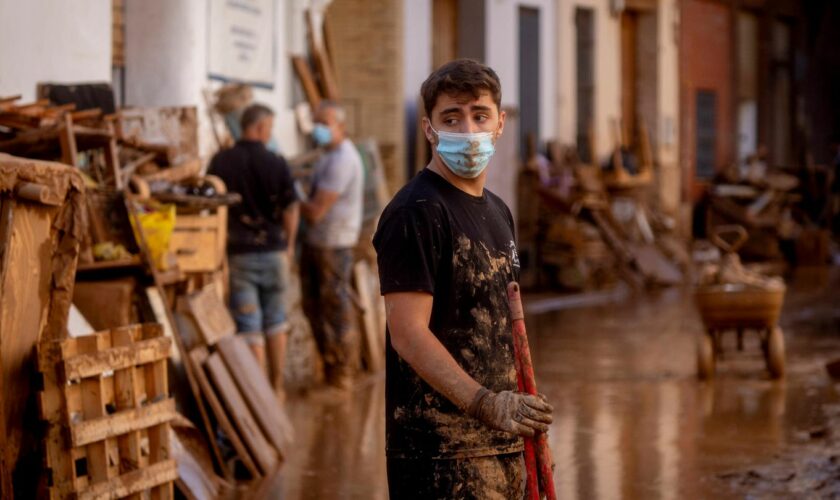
631, 419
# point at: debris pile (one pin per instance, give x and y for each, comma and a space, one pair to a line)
583, 227
787, 213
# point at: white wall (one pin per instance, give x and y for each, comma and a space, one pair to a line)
607, 73
53, 41
502, 54
166, 62
417, 30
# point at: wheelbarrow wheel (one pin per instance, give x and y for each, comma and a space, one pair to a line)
705, 357
775, 355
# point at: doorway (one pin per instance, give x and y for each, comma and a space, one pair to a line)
529, 80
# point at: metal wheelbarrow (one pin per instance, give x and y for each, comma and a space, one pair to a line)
739, 307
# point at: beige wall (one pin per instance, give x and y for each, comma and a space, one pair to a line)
663, 124
368, 58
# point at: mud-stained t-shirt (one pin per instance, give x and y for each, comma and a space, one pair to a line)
437, 239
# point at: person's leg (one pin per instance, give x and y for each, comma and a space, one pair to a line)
310, 277
275, 326
244, 294
495, 477
498, 477
413, 478
338, 312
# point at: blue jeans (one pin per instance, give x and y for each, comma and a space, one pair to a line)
256, 291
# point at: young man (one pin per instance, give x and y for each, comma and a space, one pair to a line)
259, 230
446, 254
334, 214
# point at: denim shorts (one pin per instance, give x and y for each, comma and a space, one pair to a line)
256, 291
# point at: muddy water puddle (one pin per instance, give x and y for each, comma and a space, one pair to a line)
631, 419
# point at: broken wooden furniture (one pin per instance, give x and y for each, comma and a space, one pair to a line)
106, 402
41, 226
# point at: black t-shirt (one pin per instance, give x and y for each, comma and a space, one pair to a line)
437, 239
264, 181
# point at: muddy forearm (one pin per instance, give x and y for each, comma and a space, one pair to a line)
430, 359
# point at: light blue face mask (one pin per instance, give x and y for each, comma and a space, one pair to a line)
321, 134
466, 155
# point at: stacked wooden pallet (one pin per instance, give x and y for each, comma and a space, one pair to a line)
106, 401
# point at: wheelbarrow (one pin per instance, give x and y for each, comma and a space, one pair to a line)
739, 308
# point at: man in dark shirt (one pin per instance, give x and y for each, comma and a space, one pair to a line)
259, 230
446, 254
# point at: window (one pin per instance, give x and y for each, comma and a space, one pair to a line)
585, 59
706, 116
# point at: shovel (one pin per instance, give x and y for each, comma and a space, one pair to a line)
538, 467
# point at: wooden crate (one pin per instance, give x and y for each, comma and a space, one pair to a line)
199, 240
105, 399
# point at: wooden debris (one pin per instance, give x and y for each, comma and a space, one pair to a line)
256, 390
108, 393
264, 454
373, 352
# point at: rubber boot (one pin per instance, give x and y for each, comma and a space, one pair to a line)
276, 354
256, 342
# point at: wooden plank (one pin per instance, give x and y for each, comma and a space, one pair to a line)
69, 151
211, 315
90, 431
101, 453
112, 157
329, 87
159, 310
307, 81
117, 358
181, 351
197, 358
157, 388
264, 454
127, 397
132, 482
257, 390
59, 463
374, 350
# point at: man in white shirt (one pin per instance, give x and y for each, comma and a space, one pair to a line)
334, 217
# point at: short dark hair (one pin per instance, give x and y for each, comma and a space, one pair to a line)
254, 114
461, 76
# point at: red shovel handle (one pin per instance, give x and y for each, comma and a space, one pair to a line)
528, 384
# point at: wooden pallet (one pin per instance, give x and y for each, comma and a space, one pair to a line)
105, 399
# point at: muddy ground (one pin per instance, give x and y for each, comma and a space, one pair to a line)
631, 419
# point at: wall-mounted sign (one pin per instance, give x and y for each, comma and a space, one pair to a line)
241, 44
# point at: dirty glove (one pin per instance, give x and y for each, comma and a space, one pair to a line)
514, 412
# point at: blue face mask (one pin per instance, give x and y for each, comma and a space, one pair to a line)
321, 134
466, 155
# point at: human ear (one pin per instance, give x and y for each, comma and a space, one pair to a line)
427, 130
501, 128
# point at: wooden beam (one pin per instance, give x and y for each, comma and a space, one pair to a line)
117, 358
132, 482
307, 81
91, 431
329, 87
197, 358
112, 156
257, 391
69, 152
253, 437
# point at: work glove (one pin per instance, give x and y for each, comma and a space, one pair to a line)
514, 412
